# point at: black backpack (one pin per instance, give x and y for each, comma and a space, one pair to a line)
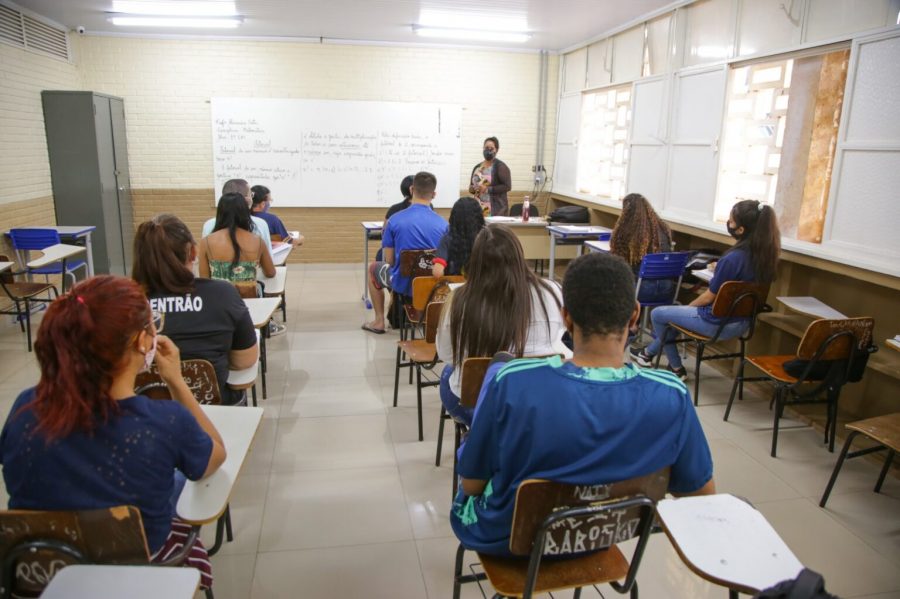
807, 585
570, 214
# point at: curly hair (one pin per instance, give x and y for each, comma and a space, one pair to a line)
639, 230
466, 222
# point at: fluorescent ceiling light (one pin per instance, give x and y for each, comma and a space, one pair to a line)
472, 34
516, 22
194, 22
173, 8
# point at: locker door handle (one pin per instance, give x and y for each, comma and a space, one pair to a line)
122, 188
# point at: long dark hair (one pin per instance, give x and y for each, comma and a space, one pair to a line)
493, 311
233, 214
80, 347
761, 237
162, 246
466, 222
638, 231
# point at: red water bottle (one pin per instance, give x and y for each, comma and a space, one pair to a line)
526, 209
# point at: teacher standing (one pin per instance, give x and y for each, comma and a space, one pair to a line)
491, 180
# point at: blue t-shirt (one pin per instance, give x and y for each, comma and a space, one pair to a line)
736, 265
549, 419
276, 227
130, 460
416, 228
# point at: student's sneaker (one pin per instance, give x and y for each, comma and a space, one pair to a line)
641, 357
681, 373
276, 329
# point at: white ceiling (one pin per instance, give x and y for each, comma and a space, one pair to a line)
555, 24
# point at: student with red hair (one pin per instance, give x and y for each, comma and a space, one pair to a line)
81, 439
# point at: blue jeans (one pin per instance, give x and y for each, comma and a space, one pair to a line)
658, 290
451, 401
689, 318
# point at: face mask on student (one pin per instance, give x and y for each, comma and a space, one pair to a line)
149, 356
489, 154
732, 231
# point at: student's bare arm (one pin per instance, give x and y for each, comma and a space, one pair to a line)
704, 299
388, 255
204, 259
473, 486
265, 260
239, 359
708, 489
437, 270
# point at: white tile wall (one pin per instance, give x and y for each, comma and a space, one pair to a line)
24, 167
167, 84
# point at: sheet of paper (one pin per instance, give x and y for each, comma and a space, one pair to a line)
811, 306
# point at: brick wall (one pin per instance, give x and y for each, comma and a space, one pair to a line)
167, 85
24, 166
332, 235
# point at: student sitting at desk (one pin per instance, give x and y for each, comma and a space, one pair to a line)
231, 252
503, 306
260, 228
466, 222
753, 258
638, 232
589, 420
262, 201
81, 439
207, 319
416, 228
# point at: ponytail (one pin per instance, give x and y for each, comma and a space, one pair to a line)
761, 237
80, 347
161, 250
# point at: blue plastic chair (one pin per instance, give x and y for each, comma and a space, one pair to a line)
26, 240
668, 266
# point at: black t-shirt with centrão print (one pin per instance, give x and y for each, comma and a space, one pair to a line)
206, 324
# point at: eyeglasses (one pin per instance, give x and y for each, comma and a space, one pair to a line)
158, 319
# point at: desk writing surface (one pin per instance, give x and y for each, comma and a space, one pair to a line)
704, 275
516, 221
204, 500
55, 253
113, 582
578, 229
4, 266
261, 309
598, 246
67, 230
811, 306
372, 225
274, 285
281, 252
727, 541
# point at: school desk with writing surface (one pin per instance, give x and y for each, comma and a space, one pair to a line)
274, 286
280, 252
261, 310
205, 501
112, 582
573, 235
372, 230
74, 235
57, 253
725, 540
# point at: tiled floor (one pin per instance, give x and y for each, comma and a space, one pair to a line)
339, 499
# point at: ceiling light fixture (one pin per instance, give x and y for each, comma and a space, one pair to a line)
172, 8
472, 34
193, 22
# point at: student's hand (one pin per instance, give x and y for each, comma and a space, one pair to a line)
168, 360
711, 266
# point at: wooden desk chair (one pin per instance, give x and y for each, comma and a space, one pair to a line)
838, 345
555, 519
200, 376
885, 431
36, 544
426, 289
422, 353
735, 300
22, 295
473, 371
413, 264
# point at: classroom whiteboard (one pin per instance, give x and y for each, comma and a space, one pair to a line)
335, 153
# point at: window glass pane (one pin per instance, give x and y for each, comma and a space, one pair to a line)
602, 144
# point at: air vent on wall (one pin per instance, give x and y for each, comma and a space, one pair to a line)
27, 32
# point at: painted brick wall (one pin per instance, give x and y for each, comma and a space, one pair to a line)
167, 84
24, 167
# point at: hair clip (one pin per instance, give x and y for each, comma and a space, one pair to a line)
760, 206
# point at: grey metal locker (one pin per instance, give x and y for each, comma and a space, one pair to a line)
89, 169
